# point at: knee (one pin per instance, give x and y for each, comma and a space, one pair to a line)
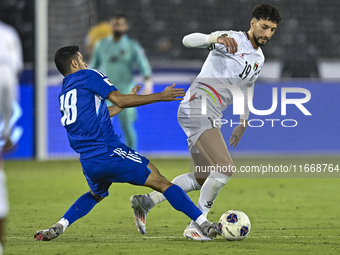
97, 197
162, 184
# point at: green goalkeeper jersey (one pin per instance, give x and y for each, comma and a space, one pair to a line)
118, 59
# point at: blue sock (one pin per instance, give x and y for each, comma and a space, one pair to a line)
181, 202
80, 208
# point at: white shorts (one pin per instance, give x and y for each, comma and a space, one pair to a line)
193, 123
3, 195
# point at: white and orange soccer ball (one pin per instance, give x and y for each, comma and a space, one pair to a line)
234, 225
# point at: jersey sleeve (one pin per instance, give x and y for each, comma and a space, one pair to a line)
199, 40
99, 83
218, 46
142, 60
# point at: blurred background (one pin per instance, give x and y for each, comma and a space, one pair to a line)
304, 52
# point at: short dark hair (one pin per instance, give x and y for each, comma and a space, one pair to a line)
63, 58
266, 12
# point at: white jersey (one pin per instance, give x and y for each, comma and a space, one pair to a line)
11, 64
222, 67
10, 48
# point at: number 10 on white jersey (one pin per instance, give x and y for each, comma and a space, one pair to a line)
68, 107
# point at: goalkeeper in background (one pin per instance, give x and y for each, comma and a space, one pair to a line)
117, 55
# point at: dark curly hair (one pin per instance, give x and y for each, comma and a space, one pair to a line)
266, 12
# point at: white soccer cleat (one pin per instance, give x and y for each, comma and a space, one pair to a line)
139, 212
195, 232
50, 233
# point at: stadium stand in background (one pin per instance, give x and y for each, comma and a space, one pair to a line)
306, 36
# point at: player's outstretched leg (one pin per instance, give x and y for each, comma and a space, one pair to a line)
80, 208
142, 204
181, 202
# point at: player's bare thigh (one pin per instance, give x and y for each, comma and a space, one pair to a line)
156, 181
213, 148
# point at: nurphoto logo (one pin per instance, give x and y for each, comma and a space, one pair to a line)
238, 104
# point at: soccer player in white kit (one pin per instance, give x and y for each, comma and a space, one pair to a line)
11, 64
235, 59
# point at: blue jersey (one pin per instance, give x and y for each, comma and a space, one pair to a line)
84, 112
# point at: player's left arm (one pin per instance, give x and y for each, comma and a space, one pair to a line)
114, 109
144, 67
199, 40
239, 130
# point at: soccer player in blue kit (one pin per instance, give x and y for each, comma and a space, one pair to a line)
104, 158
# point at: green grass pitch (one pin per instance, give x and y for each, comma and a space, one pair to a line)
288, 215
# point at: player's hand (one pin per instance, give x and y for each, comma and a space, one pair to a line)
236, 135
229, 43
135, 89
171, 94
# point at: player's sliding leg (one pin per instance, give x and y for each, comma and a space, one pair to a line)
188, 182
80, 208
180, 201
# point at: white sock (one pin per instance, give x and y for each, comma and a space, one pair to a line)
64, 222
1, 249
200, 220
209, 191
187, 182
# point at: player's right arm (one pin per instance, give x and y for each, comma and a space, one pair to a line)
98, 83
199, 40
114, 109
132, 100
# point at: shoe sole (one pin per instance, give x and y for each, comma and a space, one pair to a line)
203, 240
139, 228
40, 237
190, 236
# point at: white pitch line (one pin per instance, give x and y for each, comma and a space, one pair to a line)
173, 237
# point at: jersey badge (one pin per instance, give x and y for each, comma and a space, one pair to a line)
256, 65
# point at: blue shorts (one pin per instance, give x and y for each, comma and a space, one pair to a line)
120, 164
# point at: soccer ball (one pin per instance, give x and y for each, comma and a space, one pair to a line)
234, 225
